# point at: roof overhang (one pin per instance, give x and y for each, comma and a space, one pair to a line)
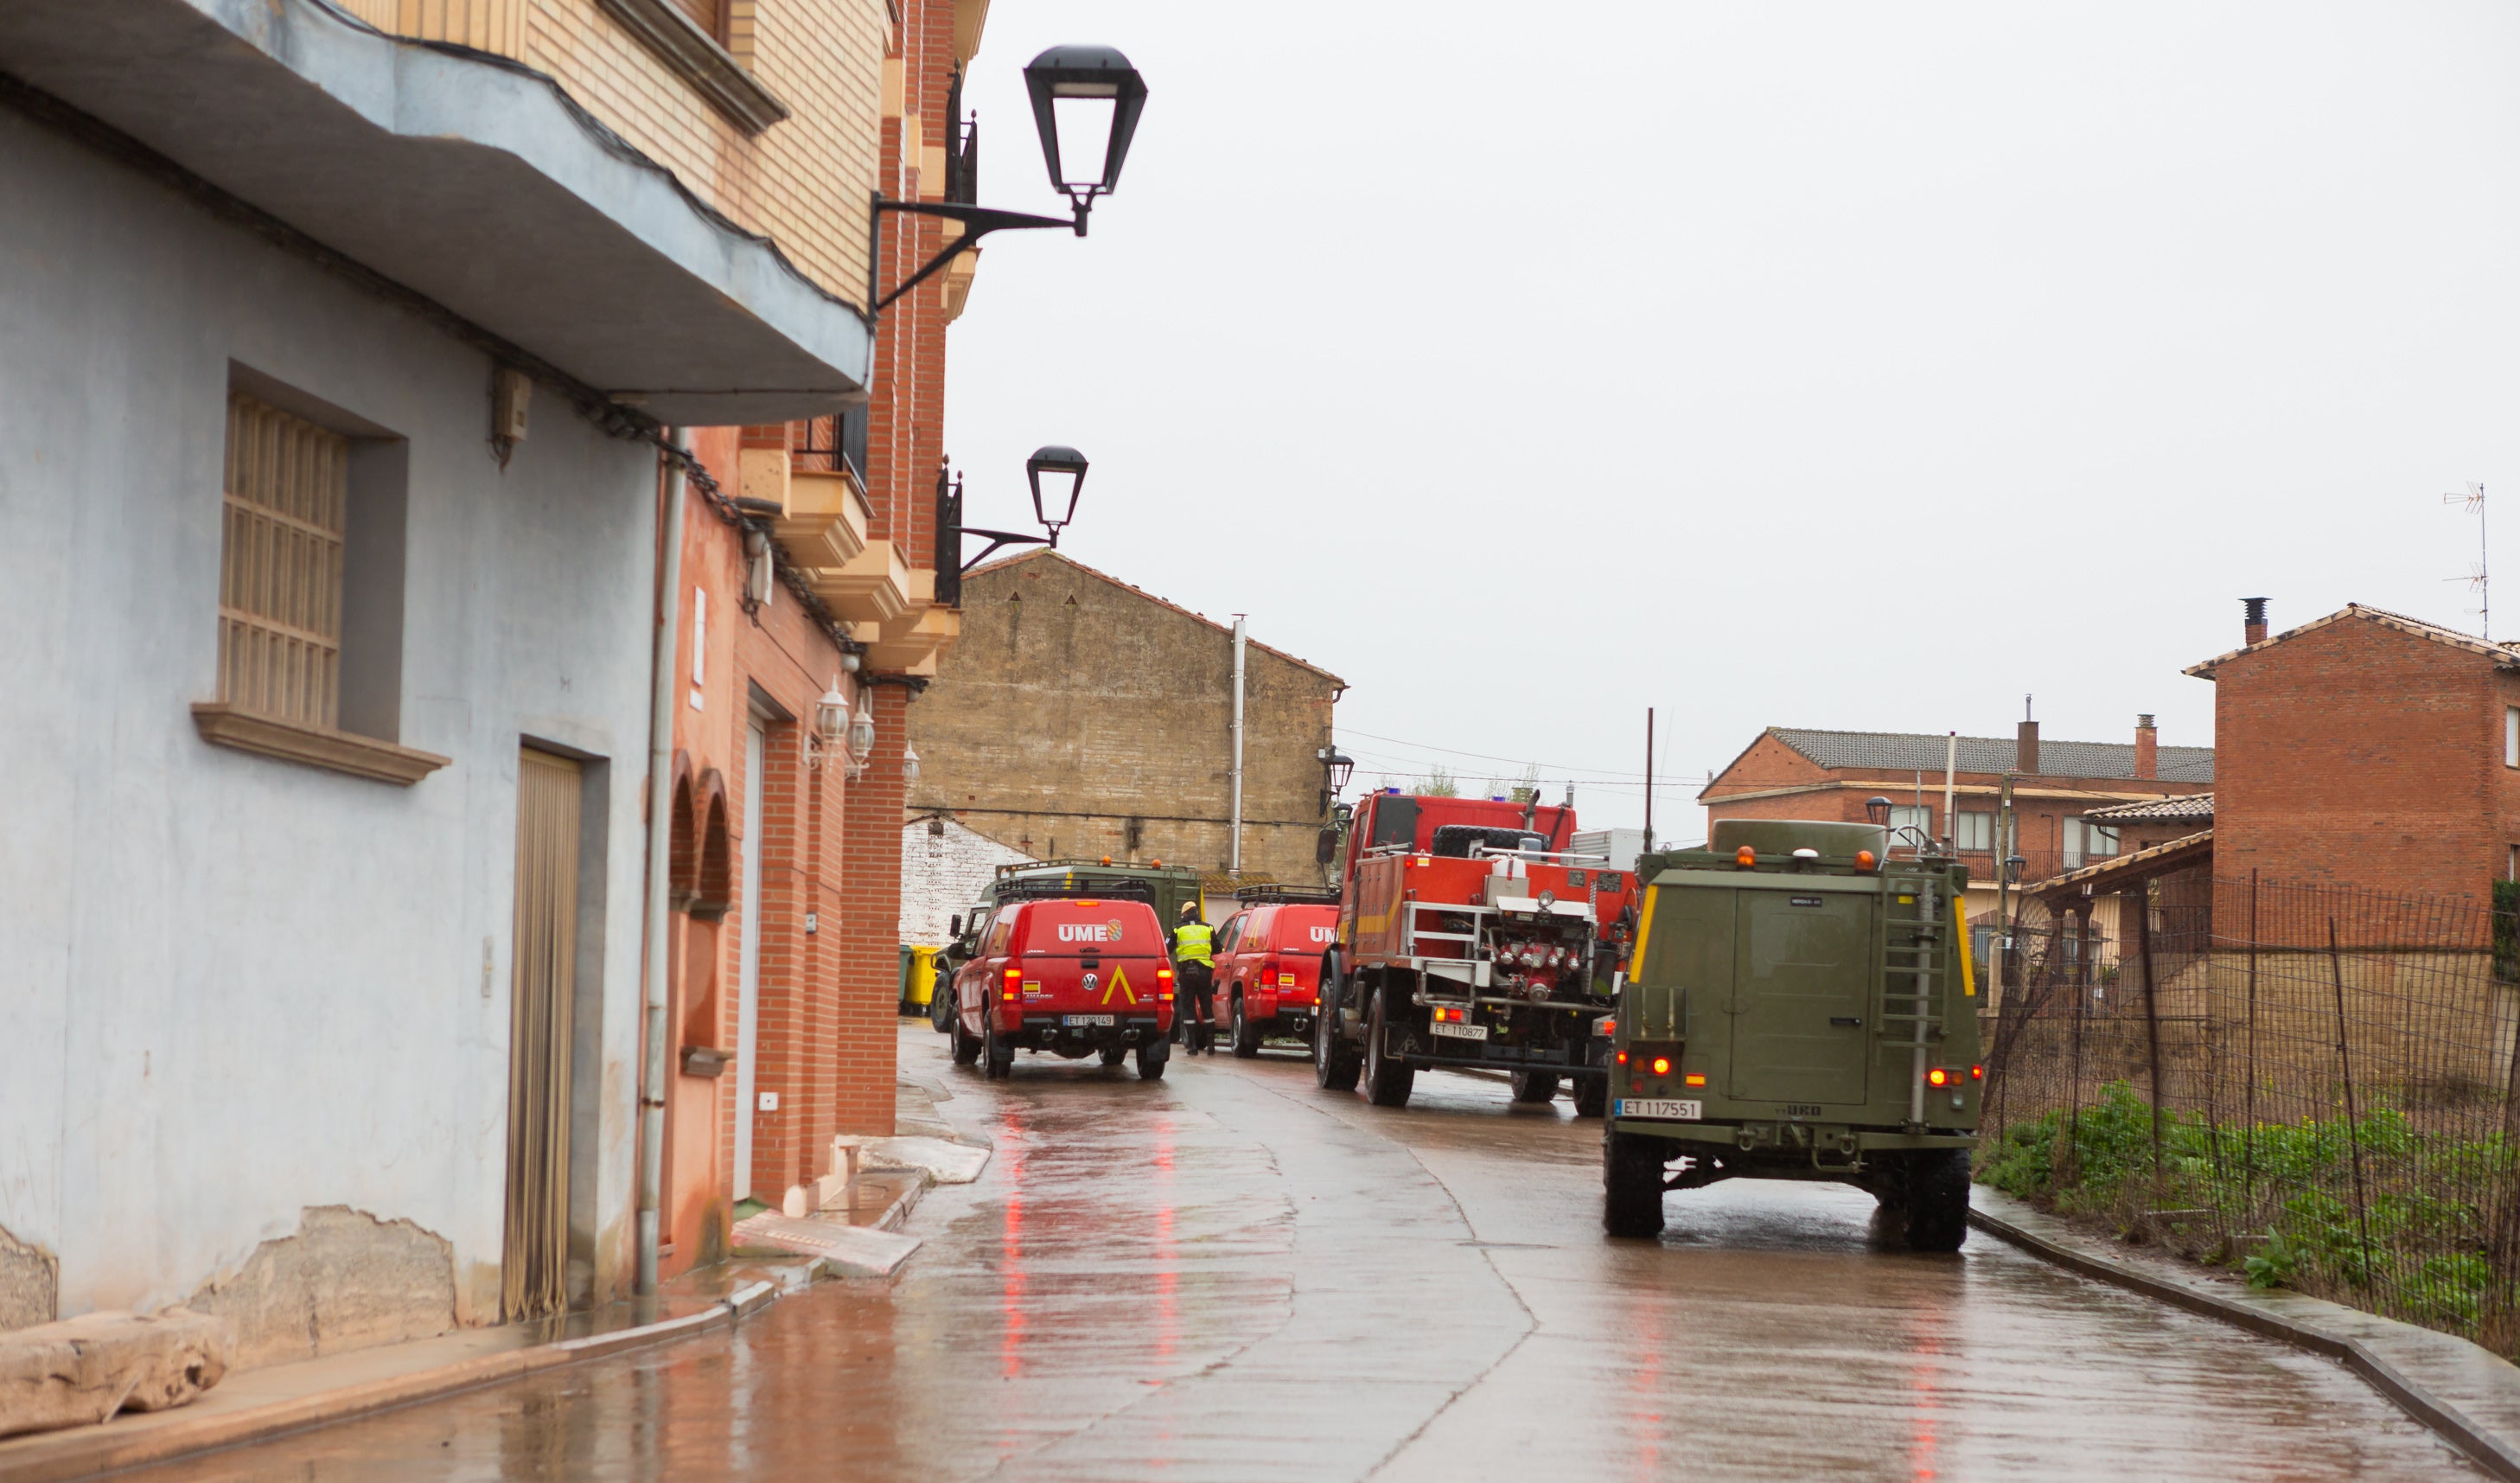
2501, 654
2127, 871
467, 179
1932, 791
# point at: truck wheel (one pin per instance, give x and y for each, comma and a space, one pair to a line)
941, 1009
1000, 1057
1934, 1202
1386, 1081
1533, 1086
1246, 1035
1334, 1065
1153, 1056
1632, 1183
966, 1045
1592, 1096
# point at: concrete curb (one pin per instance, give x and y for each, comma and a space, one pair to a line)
107, 1447
2389, 1355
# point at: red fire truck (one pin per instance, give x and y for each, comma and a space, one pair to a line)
1470, 935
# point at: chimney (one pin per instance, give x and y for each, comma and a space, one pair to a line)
2025, 755
2147, 748
2253, 620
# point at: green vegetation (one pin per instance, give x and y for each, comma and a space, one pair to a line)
2419, 1248
1437, 784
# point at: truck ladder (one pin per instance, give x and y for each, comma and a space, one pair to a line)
1911, 941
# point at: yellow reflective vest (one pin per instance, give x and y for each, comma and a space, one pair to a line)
1190, 943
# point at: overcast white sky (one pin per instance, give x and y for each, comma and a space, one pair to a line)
1856, 366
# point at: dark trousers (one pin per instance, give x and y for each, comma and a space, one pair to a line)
1198, 982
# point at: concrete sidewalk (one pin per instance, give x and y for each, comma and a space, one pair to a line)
258, 1404
2464, 1392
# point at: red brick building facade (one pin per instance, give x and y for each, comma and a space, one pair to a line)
2369, 749
786, 888
1789, 772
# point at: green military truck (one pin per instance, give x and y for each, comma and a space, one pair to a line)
1799, 1007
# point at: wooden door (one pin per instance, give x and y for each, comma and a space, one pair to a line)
534, 1262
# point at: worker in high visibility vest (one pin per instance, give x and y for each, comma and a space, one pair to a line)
1195, 967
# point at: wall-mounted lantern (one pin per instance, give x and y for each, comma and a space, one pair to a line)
1085, 106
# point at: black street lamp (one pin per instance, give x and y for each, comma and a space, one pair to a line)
2012, 864
1339, 766
1878, 809
1099, 96
1066, 469
1053, 504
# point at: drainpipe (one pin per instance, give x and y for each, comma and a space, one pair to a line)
1236, 866
660, 863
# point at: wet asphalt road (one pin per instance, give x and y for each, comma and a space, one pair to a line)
1234, 1275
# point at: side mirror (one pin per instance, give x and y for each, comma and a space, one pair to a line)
955, 927
1326, 846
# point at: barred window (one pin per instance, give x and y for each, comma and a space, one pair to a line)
280, 566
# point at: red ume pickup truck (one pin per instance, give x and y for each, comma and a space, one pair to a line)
1072, 976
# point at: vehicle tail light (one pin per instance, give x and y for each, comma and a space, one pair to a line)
1938, 1077
1447, 1016
1623, 1057
1164, 985
1015, 981
1745, 857
1977, 1073
1662, 1066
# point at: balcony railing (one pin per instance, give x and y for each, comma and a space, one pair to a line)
961, 148
824, 444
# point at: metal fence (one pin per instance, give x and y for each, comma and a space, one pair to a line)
2313, 1084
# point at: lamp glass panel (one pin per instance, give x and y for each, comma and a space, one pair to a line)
1058, 495
1084, 138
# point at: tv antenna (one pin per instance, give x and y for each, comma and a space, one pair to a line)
2476, 579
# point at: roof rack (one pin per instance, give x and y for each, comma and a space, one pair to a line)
1093, 890
1287, 895
1026, 867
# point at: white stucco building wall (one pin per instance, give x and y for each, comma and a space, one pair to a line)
238, 987
944, 866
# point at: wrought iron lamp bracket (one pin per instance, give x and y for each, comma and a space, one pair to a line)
978, 222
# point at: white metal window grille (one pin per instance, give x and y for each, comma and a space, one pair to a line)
287, 496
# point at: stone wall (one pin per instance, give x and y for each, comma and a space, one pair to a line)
1080, 717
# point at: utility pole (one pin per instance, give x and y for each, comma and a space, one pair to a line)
2004, 828
1648, 778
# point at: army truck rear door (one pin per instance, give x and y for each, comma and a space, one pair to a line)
1803, 965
